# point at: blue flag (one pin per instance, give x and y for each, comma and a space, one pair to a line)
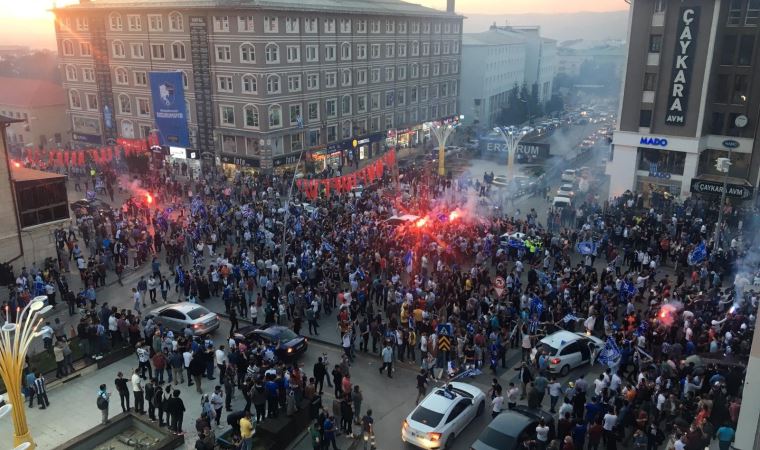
697, 255
610, 354
408, 257
585, 248
327, 247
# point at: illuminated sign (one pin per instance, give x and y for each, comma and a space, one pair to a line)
683, 62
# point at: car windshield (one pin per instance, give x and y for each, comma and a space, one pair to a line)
495, 439
551, 351
286, 335
426, 416
197, 313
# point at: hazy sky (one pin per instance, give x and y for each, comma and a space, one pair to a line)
527, 6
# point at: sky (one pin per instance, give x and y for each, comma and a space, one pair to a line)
500, 7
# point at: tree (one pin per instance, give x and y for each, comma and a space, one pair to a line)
555, 104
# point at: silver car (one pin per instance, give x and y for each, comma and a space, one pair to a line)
177, 316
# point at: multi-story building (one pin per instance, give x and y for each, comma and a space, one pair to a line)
494, 63
262, 81
690, 96
573, 55
40, 106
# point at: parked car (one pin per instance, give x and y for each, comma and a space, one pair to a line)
177, 316
568, 350
568, 176
442, 415
509, 429
288, 345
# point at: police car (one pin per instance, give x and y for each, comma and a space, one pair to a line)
443, 415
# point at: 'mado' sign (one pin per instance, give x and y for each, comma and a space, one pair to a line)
683, 62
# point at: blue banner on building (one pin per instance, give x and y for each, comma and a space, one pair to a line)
170, 108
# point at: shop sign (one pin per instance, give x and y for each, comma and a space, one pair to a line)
708, 187
683, 62
240, 161
86, 138
654, 141
207, 155
532, 150
730, 143
285, 160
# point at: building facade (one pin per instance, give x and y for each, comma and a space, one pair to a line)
261, 83
493, 64
571, 57
690, 96
540, 57
40, 106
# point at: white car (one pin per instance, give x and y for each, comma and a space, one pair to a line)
568, 350
442, 415
566, 190
506, 237
568, 176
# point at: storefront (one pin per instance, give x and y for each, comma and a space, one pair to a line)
285, 163
231, 164
188, 160
344, 152
404, 137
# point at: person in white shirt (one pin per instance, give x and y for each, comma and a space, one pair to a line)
615, 382
497, 403
599, 385
555, 390
137, 391
219, 358
512, 395
187, 356
542, 433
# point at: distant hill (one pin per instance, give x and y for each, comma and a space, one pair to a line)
589, 26
33, 33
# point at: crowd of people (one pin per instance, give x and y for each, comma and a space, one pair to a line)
654, 285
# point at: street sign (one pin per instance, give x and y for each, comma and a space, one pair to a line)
444, 344
700, 186
498, 285
444, 332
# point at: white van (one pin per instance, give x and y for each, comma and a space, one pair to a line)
569, 176
561, 202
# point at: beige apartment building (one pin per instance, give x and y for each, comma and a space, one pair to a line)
40, 107
263, 80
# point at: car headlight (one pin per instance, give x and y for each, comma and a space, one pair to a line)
405, 424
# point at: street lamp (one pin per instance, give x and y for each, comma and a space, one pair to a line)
442, 131
722, 165
511, 139
14, 343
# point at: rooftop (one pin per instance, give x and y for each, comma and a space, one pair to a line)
390, 7
26, 174
491, 38
30, 93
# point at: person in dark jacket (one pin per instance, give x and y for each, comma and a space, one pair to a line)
197, 369
320, 372
176, 407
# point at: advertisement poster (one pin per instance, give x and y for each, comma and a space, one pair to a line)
169, 106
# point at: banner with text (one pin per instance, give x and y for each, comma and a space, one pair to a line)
169, 108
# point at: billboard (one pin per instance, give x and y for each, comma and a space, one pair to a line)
169, 108
683, 63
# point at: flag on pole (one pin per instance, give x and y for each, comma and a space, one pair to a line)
697, 255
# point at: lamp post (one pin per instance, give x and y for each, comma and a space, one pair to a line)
442, 131
723, 165
14, 343
512, 140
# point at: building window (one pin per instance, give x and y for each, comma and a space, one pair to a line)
137, 50
345, 25
221, 24
83, 24
155, 22
272, 53
361, 51
227, 115
143, 107
273, 84
247, 53
375, 75
437, 28
329, 25
141, 78
436, 48
251, 116
296, 141
436, 69
361, 76
157, 51
746, 49
390, 26
293, 53
361, 26
312, 53
229, 144
178, 51
312, 81
125, 104
645, 118
271, 24
659, 6
374, 100
313, 111
753, 13
294, 115
121, 76
389, 73
246, 24
330, 79
361, 104
252, 146
71, 73
331, 107
389, 98
735, 8
175, 22
740, 91
390, 50
663, 161
92, 102
425, 70
345, 105
330, 52
345, 51
345, 77
415, 48
85, 49
134, 22
248, 84
346, 129
401, 50
310, 25
88, 74
224, 83
374, 26
425, 48
655, 43
74, 99
332, 133
650, 81
115, 23
402, 73
291, 25
294, 83
68, 48
223, 53
375, 51
275, 116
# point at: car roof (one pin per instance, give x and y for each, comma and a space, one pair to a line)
182, 307
510, 422
561, 338
439, 402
